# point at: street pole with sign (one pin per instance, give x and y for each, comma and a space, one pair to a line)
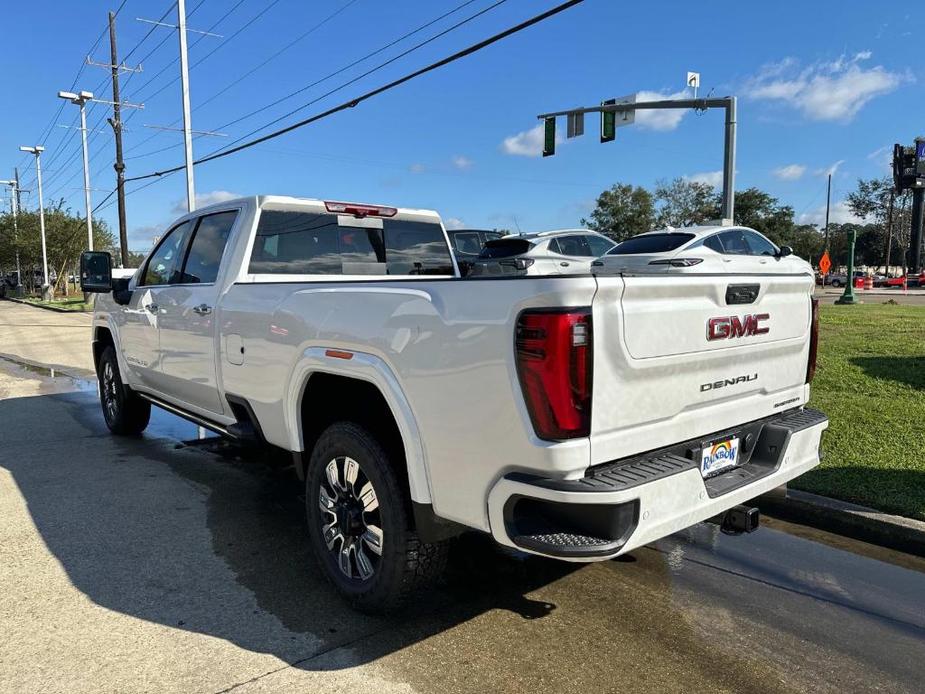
847, 296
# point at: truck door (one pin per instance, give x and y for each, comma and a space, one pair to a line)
140, 319
188, 335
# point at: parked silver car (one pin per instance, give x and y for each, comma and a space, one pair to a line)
559, 252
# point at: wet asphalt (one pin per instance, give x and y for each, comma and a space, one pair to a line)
167, 563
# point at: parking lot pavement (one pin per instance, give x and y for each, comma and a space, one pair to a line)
150, 564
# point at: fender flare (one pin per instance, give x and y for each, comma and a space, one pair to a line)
105, 321
372, 369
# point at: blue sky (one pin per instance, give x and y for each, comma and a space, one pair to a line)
822, 85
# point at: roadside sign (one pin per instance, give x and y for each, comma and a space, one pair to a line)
825, 263
575, 125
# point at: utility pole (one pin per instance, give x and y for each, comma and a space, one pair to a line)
81, 100
116, 123
14, 205
828, 205
889, 233
184, 89
37, 153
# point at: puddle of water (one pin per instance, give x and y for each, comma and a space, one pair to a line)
24, 367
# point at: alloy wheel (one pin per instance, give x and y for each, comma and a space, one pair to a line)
350, 518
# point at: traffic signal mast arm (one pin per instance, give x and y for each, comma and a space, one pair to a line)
728, 103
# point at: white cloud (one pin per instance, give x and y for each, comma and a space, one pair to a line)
791, 172
528, 143
883, 156
660, 119
828, 91
839, 214
711, 178
829, 170
417, 168
204, 200
462, 162
454, 223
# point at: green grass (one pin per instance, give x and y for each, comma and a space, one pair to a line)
870, 381
75, 304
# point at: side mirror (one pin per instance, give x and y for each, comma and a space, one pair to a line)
95, 272
784, 251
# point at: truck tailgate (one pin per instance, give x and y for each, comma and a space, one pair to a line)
677, 356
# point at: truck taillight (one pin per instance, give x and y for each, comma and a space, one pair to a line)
813, 342
554, 352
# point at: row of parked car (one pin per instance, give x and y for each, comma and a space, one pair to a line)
840, 279
575, 251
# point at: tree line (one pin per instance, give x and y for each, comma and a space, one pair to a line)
625, 210
65, 240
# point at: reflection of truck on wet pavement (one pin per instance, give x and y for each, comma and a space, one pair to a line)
575, 417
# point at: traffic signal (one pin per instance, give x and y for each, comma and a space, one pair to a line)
907, 166
608, 122
549, 136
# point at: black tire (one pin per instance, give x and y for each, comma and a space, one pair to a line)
126, 413
339, 525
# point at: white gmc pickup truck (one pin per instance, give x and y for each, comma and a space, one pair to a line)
575, 417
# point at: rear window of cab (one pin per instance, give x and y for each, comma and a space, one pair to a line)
304, 242
650, 243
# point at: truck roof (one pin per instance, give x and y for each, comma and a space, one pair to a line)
264, 199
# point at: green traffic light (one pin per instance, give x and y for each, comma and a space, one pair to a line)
608, 122
549, 137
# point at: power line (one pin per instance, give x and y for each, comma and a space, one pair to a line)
238, 79
344, 69
379, 90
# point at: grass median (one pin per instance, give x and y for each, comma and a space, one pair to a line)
75, 304
871, 383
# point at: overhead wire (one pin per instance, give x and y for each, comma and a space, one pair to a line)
352, 103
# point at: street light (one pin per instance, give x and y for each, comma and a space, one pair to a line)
37, 152
14, 192
81, 100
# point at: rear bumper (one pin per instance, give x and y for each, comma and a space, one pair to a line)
625, 504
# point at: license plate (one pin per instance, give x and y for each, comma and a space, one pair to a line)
719, 455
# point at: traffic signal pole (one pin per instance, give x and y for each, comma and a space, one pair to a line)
727, 103
915, 238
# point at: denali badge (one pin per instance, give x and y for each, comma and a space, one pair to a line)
728, 382
729, 327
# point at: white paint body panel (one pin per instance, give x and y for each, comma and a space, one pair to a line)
441, 351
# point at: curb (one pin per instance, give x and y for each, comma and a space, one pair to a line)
840, 517
44, 308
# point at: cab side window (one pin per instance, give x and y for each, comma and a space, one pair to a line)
207, 247
599, 246
759, 244
164, 264
574, 246
735, 243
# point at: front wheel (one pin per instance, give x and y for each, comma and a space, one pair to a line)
359, 525
125, 412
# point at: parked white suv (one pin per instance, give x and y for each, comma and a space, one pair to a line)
559, 252
576, 417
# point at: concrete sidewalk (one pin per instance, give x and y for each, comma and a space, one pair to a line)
36, 336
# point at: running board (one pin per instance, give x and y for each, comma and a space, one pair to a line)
189, 416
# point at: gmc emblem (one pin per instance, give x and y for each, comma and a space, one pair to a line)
729, 327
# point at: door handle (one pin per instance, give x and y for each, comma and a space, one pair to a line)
151, 308
202, 310
563, 264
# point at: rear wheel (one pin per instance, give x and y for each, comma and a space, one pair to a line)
359, 524
125, 412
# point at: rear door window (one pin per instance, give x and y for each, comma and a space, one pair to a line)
651, 243
416, 248
205, 252
505, 248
